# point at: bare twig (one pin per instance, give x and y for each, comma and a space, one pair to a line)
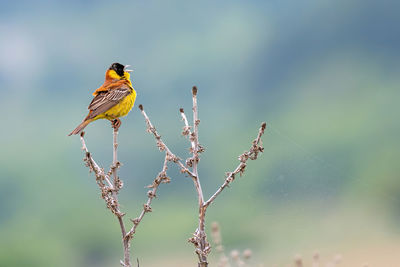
251, 154
118, 185
162, 146
199, 239
160, 178
99, 172
110, 190
187, 132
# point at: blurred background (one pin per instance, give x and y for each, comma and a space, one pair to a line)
324, 75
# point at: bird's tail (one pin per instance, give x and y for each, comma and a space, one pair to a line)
80, 127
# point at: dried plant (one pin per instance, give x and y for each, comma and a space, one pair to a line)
298, 262
237, 259
217, 239
110, 184
199, 238
315, 262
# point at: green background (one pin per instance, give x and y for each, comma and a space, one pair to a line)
324, 75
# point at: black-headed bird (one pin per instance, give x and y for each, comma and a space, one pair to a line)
114, 99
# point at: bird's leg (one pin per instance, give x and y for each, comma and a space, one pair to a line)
115, 124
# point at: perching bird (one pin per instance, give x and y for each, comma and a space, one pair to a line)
114, 99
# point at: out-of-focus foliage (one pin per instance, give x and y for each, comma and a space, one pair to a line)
323, 74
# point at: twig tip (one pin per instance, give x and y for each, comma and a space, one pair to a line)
82, 134
181, 110
263, 125
141, 107
194, 90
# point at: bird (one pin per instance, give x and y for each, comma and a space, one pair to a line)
114, 99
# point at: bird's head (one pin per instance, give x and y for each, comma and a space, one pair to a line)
118, 71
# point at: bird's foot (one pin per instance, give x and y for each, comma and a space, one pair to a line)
115, 124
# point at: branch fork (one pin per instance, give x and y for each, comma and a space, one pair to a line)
199, 238
110, 184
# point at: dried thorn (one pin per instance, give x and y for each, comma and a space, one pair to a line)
192, 137
154, 184
147, 208
242, 168
151, 194
129, 235
194, 241
82, 134
163, 178
231, 177
189, 162
201, 149
135, 221
172, 157
141, 107
181, 110
186, 130
160, 144
243, 157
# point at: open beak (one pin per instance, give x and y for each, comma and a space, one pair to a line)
126, 68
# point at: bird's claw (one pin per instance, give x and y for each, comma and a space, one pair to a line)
115, 124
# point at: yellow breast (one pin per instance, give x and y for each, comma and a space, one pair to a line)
121, 109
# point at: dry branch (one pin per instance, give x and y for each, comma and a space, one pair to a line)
160, 178
110, 189
199, 239
252, 154
109, 192
162, 146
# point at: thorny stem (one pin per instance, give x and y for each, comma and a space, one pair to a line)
117, 184
204, 247
162, 146
199, 239
193, 162
92, 164
110, 190
251, 154
161, 178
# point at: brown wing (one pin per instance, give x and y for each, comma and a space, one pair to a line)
105, 100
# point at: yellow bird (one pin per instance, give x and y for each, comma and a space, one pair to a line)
114, 99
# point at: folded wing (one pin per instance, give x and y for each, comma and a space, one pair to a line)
105, 100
